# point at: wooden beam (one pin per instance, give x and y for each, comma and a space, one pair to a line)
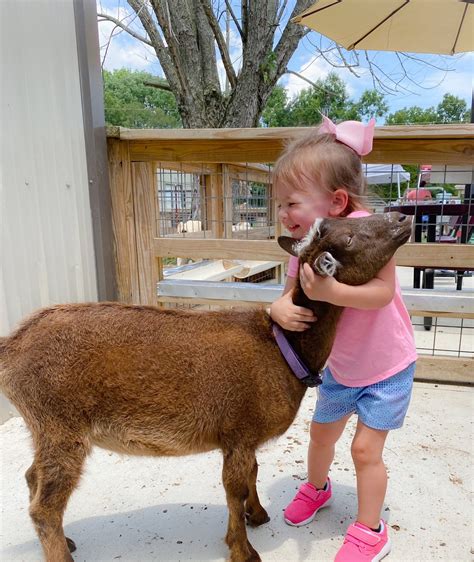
449, 131
441, 368
416, 151
187, 167
437, 314
228, 207
215, 208
436, 151
254, 233
441, 256
210, 302
446, 256
123, 222
250, 173
438, 144
143, 178
219, 248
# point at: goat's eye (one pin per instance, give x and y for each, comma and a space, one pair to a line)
349, 241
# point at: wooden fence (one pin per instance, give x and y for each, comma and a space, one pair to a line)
135, 156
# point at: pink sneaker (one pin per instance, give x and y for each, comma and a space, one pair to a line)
361, 544
307, 502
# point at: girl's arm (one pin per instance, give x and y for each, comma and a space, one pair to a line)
375, 294
288, 315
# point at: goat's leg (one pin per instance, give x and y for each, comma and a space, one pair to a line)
31, 476
254, 512
57, 469
238, 465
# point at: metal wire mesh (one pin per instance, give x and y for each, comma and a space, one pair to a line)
223, 201
236, 201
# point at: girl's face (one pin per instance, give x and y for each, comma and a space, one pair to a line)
299, 208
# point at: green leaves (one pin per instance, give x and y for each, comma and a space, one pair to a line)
328, 96
450, 110
130, 103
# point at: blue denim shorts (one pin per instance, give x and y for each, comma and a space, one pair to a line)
382, 405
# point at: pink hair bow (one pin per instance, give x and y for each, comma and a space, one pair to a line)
353, 134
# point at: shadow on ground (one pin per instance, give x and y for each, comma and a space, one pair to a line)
193, 531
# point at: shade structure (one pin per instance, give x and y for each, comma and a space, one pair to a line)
385, 173
413, 26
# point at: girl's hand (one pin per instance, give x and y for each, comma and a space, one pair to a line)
289, 316
319, 288
375, 294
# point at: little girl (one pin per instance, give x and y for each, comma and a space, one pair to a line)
372, 362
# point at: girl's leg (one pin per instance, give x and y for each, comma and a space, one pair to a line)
323, 438
367, 448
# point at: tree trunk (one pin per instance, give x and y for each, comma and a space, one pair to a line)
184, 34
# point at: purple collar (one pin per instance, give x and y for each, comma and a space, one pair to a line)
300, 370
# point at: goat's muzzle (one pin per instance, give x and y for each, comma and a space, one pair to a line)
402, 226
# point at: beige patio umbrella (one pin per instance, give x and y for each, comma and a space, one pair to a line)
412, 26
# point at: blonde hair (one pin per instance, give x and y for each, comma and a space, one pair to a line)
323, 161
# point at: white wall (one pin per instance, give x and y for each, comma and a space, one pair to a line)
46, 244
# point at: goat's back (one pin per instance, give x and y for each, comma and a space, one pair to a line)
150, 380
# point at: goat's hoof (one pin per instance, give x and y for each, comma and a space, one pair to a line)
251, 556
70, 544
257, 519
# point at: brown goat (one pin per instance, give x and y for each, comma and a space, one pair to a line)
148, 381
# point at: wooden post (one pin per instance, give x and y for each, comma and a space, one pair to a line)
227, 195
157, 221
144, 191
215, 208
273, 209
123, 221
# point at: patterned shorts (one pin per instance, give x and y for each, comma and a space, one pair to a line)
382, 405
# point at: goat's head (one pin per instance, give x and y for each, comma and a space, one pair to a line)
353, 250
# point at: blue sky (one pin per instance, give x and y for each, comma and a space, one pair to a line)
430, 77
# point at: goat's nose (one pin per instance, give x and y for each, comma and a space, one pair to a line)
396, 217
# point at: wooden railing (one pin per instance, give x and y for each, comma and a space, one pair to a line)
134, 156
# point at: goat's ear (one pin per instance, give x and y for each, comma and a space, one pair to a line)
288, 244
326, 264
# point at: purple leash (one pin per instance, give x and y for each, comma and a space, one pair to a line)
300, 370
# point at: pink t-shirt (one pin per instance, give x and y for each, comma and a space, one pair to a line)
370, 345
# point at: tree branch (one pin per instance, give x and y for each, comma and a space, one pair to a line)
170, 68
118, 23
384, 86
317, 86
214, 24
350, 67
290, 38
236, 21
280, 13
245, 22
159, 85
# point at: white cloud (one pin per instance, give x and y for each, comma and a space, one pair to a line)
427, 87
312, 68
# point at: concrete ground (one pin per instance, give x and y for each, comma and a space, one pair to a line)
173, 509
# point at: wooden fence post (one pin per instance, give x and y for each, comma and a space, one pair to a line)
144, 196
123, 221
